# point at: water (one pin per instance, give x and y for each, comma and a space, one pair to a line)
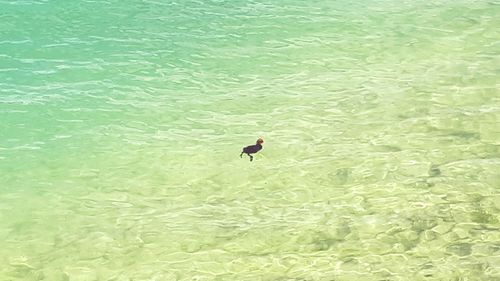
121, 123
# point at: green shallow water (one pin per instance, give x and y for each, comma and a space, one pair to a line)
121, 123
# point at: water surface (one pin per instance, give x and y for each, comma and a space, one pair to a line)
121, 123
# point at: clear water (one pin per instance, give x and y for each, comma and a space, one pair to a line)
121, 124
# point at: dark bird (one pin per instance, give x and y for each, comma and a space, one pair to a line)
251, 149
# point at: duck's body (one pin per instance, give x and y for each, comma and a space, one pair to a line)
251, 149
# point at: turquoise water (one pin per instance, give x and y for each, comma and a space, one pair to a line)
121, 123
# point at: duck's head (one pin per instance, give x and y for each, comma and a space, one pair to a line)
260, 141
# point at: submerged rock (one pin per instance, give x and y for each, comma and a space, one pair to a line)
434, 171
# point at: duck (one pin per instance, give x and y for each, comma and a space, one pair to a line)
252, 149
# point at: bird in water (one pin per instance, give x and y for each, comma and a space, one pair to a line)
251, 149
